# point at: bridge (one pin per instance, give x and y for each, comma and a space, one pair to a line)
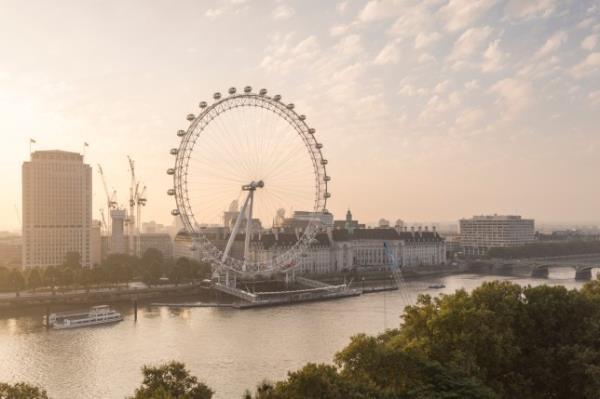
583, 265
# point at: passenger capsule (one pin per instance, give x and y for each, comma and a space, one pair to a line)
323, 162
311, 130
263, 92
202, 104
217, 96
277, 97
190, 117
174, 151
327, 178
247, 89
302, 117
325, 210
319, 146
231, 90
175, 212
327, 195
290, 106
171, 191
181, 133
171, 171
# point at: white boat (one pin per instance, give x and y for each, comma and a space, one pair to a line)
437, 286
101, 314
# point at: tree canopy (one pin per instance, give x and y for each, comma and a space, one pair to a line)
21, 390
171, 381
500, 341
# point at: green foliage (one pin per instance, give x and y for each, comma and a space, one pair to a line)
500, 341
543, 249
21, 390
116, 269
171, 381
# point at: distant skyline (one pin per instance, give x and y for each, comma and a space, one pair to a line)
428, 110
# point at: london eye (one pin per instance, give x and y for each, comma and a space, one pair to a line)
246, 160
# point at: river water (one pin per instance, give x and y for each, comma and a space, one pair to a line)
229, 349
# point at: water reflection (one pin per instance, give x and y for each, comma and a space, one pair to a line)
230, 349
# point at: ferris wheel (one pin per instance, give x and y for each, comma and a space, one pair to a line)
245, 161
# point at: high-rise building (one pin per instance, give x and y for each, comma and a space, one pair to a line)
57, 208
480, 233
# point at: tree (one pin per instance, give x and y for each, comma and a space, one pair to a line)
21, 390
72, 260
16, 281
171, 380
34, 279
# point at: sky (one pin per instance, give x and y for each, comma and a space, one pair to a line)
428, 110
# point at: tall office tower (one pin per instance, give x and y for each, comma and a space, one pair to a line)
57, 208
118, 240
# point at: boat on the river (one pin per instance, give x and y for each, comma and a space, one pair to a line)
101, 314
437, 286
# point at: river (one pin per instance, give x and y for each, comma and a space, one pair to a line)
229, 349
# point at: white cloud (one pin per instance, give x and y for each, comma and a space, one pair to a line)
283, 12
341, 7
553, 43
411, 91
379, 9
470, 41
493, 57
589, 43
282, 55
459, 14
388, 55
589, 66
594, 98
338, 30
527, 9
441, 87
426, 58
472, 85
349, 45
225, 7
412, 20
424, 39
514, 95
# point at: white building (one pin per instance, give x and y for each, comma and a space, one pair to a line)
336, 250
57, 208
480, 233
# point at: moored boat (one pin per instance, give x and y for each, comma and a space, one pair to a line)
437, 286
101, 314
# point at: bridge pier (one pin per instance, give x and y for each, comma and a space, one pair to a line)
583, 274
540, 272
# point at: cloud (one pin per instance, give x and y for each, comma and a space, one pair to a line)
224, 7
388, 55
338, 30
528, 9
472, 85
514, 95
589, 66
412, 20
411, 91
594, 98
470, 41
341, 7
379, 9
459, 14
283, 12
349, 45
282, 55
589, 43
553, 43
426, 39
493, 57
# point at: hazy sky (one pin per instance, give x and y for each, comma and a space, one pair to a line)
428, 110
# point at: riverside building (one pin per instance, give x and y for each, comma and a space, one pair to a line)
57, 208
480, 233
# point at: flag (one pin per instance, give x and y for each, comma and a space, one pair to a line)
32, 141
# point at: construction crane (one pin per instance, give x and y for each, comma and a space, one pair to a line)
104, 224
140, 201
111, 203
133, 186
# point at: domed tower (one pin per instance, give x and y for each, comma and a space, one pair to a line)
349, 226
